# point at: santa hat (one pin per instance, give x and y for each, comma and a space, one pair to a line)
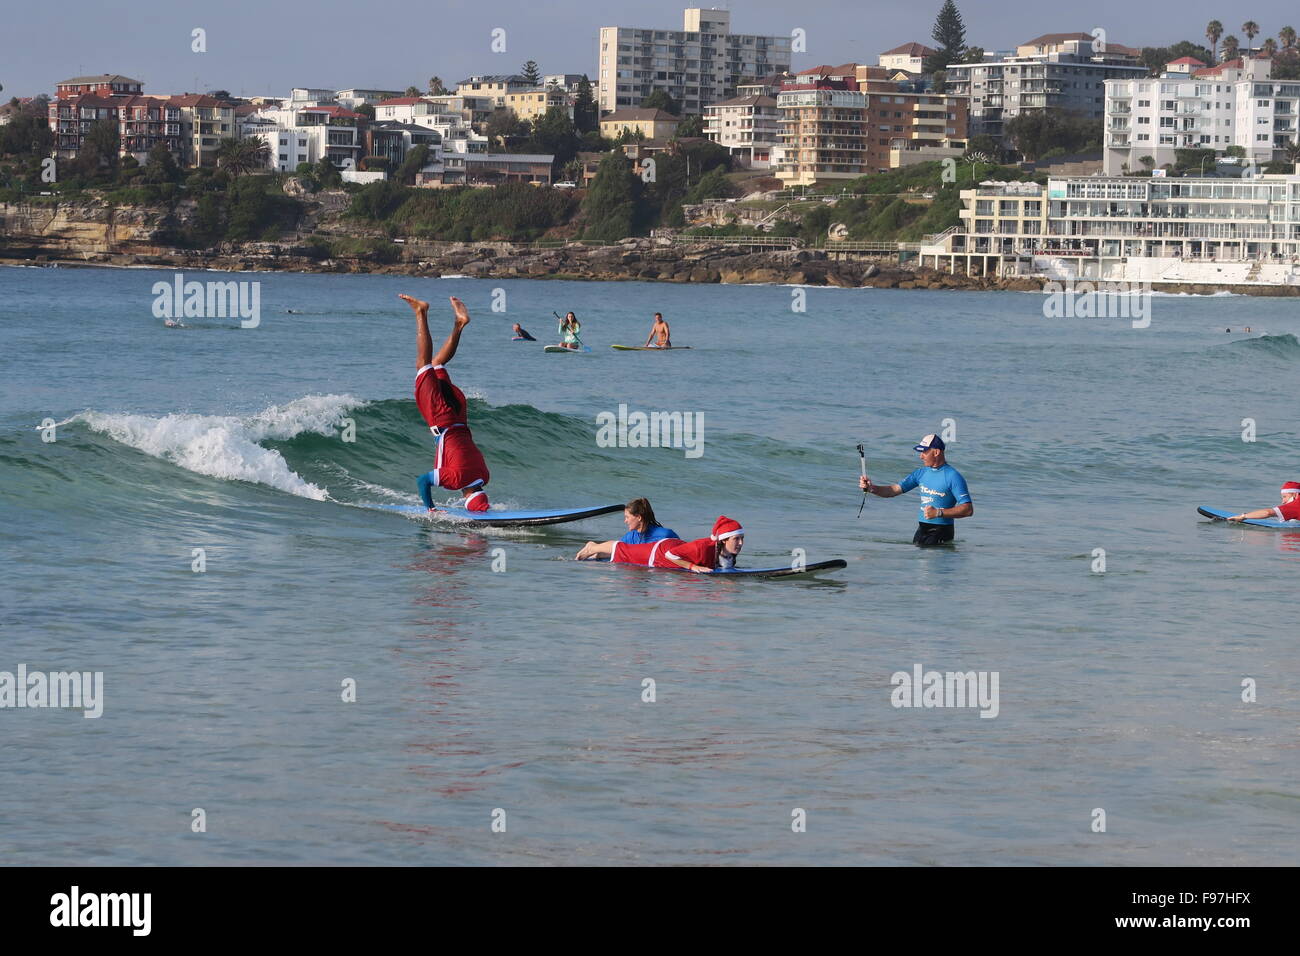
1291, 488
725, 528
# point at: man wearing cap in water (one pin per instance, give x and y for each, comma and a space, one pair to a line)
1288, 510
944, 495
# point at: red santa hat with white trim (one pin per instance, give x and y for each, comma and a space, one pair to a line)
725, 528
1291, 488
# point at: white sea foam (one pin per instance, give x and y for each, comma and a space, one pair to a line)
227, 447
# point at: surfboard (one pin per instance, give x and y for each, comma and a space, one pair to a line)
554, 349
1218, 514
649, 348
502, 519
520, 338
784, 571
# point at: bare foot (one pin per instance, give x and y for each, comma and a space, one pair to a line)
421, 308
462, 313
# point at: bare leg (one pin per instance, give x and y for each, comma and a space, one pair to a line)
596, 549
424, 343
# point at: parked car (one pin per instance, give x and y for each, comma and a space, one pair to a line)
566, 185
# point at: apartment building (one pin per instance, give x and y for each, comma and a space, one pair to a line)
533, 103
205, 122
1233, 104
305, 133
1060, 71
701, 64
1190, 229
105, 84
748, 127
838, 123
351, 99
494, 87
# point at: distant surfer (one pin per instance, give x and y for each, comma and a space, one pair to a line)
642, 526
660, 333
568, 332
944, 495
173, 323
521, 335
458, 464
1288, 510
703, 555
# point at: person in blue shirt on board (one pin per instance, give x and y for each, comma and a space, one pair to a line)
642, 527
944, 495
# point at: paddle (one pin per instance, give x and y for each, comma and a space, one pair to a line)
863, 455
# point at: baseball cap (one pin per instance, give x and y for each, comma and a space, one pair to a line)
928, 442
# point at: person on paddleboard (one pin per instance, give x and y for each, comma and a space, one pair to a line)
1288, 510
569, 329
660, 333
458, 464
944, 495
703, 555
642, 526
521, 335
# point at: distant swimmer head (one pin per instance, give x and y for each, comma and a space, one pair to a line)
639, 516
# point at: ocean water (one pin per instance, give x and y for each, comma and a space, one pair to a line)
497, 679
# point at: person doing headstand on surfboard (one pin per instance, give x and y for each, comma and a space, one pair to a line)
1288, 510
458, 464
703, 555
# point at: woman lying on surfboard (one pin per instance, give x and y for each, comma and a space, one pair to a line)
642, 526
458, 464
703, 555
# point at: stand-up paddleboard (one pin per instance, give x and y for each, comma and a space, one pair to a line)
1218, 514
649, 348
502, 519
554, 349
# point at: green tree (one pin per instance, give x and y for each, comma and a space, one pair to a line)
327, 174
1231, 47
692, 125
435, 86
98, 157
661, 99
531, 73
415, 161
553, 132
1213, 31
161, 167
584, 107
367, 110
950, 33
1287, 36
611, 204
1250, 28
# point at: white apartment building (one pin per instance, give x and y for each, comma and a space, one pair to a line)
909, 57
1234, 104
1132, 229
305, 133
351, 99
748, 127
699, 65
1055, 71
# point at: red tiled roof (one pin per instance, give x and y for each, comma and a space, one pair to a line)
1185, 59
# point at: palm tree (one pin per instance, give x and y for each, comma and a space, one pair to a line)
240, 156
1270, 47
1293, 152
1231, 47
1287, 36
1214, 30
1250, 28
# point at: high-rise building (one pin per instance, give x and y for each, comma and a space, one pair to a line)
1058, 71
699, 65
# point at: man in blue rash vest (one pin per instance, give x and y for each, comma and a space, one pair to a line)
944, 495
642, 526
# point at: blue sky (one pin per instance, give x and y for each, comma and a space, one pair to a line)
268, 46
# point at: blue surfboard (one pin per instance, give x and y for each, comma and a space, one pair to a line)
502, 519
1218, 514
